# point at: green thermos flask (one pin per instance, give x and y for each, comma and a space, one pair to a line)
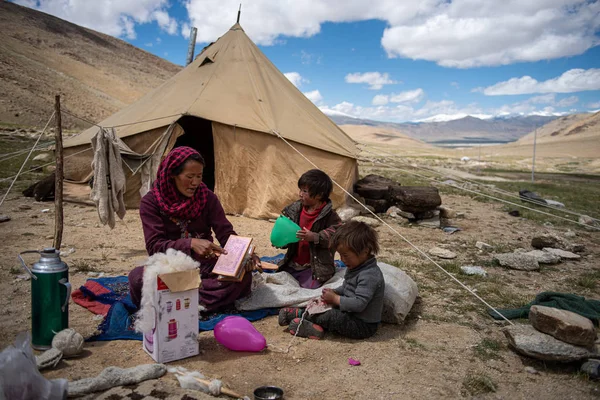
50, 293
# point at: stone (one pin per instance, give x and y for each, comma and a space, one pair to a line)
24, 207
547, 240
526, 340
374, 187
113, 376
514, 213
372, 222
415, 199
564, 255
393, 211
563, 325
518, 261
591, 368
442, 253
347, 213
4, 218
43, 157
446, 212
483, 246
379, 205
589, 221
544, 257
434, 222
570, 234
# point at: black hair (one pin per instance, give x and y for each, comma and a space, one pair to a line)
357, 236
317, 182
194, 157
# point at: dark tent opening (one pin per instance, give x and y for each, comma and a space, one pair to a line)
198, 135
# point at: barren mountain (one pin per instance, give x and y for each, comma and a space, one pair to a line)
464, 130
96, 74
568, 128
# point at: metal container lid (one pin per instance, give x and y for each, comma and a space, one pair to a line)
49, 262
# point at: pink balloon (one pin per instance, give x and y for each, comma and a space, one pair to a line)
238, 334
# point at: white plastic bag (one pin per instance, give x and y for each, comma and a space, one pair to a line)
20, 378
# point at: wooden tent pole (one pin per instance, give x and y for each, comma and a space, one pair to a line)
58, 183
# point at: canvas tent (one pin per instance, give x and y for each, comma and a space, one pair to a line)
229, 104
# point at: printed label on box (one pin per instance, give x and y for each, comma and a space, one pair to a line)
175, 332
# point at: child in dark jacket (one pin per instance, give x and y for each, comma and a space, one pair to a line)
310, 261
358, 303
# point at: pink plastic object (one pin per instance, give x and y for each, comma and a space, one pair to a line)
354, 362
238, 334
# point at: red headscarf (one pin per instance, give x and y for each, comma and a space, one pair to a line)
171, 202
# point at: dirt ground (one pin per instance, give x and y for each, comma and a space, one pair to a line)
440, 351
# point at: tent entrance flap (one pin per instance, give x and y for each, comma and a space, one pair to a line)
198, 134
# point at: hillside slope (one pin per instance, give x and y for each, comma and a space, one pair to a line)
568, 128
96, 74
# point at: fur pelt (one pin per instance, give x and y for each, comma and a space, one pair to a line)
160, 263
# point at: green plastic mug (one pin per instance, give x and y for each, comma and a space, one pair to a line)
284, 232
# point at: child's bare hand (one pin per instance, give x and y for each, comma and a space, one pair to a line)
330, 297
306, 235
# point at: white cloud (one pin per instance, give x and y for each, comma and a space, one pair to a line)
158, 40
573, 80
410, 96
165, 22
309, 58
375, 80
380, 100
593, 106
314, 96
458, 33
296, 78
116, 18
455, 85
568, 101
149, 44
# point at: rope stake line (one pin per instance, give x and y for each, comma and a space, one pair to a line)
27, 158
400, 235
479, 184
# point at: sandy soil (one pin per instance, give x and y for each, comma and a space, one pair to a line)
430, 356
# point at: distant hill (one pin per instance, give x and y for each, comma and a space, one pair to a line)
468, 129
570, 127
96, 74
382, 135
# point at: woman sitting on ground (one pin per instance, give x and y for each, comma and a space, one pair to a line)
179, 213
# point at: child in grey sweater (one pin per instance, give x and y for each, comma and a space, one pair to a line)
358, 303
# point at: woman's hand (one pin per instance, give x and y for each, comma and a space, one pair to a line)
253, 264
330, 297
207, 249
306, 235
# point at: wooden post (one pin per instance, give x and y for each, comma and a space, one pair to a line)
58, 187
191, 46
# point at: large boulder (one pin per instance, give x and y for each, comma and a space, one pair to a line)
375, 187
563, 325
526, 340
415, 199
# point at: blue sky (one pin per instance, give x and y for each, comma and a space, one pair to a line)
390, 60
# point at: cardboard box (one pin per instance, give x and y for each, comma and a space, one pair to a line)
175, 333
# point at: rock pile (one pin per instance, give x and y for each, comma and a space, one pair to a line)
554, 335
416, 204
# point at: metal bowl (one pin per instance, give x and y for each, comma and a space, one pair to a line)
268, 393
